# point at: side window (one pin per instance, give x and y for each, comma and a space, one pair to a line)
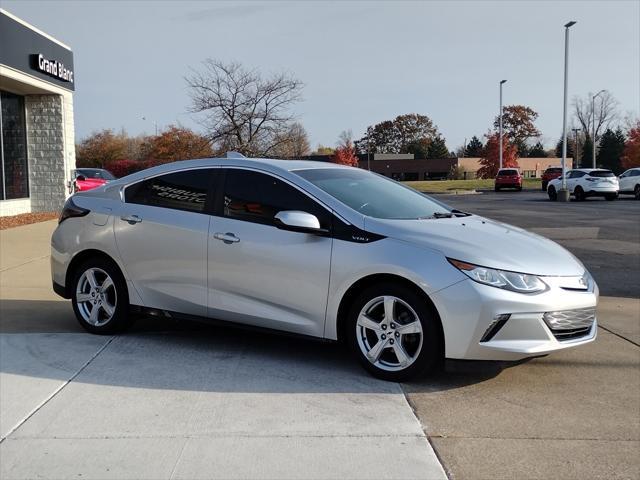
185, 190
576, 174
635, 173
258, 197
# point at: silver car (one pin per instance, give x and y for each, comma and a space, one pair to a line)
321, 250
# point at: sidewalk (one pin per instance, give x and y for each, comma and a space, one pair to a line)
194, 402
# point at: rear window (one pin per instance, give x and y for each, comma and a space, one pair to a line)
553, 170
601, 173
504, 173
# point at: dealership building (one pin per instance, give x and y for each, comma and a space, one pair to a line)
37, 144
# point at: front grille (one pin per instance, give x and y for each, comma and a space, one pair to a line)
570, 324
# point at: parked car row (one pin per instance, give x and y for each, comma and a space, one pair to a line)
596, 182
581, 182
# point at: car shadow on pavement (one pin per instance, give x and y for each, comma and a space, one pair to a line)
160, 353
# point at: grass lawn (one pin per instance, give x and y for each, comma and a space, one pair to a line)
450, 186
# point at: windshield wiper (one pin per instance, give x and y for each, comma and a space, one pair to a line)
460, 213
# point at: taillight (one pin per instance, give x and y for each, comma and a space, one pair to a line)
70, 210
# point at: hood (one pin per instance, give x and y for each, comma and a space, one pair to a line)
483, 242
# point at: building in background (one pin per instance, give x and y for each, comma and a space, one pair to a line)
37, 144
406, 168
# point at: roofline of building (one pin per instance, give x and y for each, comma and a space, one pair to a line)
35, 29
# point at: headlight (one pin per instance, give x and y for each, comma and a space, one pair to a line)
514, 281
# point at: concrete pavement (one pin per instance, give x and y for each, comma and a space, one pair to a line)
186, 402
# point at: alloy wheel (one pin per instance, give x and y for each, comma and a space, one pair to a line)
389, 333
96, 297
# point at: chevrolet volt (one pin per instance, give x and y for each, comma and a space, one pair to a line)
320, 250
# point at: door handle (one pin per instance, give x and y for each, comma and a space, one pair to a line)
131, 219
227, 238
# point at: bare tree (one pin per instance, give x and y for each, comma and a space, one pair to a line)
239, 109
606, 111
293, 143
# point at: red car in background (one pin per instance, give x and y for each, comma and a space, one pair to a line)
89, 178
549, 174
508, 178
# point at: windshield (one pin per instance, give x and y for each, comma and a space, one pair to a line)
601, 173
374, 195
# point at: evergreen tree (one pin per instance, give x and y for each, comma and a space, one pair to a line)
611, 149
586, 153
570, 152
438, 148
538, 151
475, 148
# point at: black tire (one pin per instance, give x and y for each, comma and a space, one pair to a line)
611, 196
426, 356
579, 194
115, 296
544, 186
553, 195
636, 192
496, 189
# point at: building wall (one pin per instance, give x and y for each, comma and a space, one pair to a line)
46, 151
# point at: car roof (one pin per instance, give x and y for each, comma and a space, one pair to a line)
267, 164
590, 169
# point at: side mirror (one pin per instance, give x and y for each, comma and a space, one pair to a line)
298, 221
82, 178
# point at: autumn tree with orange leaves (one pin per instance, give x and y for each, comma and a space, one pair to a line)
491, 160
345, 153
178, 143
631, 154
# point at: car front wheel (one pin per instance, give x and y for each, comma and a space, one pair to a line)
553, 195
394, 332
100, 298
636, 192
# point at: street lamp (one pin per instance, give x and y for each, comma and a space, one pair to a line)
564, 193
593, 139
502, 82
575, 146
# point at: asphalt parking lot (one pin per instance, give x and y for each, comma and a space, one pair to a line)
171, 400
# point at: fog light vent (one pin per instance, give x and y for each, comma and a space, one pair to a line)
496, 325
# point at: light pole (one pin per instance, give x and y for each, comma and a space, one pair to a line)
564, 193
593, 139
575, 147
502, 82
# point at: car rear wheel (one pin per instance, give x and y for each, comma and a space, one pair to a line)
544, 186
394, 332
553, 195
496, 188
611, 196
100, 298
636, 192
579, 194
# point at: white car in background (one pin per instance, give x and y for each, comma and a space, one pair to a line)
629, 182
586, 182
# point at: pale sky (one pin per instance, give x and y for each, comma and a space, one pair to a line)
362, 61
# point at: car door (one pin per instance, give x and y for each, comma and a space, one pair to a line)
260, 274
161, 235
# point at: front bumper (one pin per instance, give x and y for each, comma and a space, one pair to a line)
468, 310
